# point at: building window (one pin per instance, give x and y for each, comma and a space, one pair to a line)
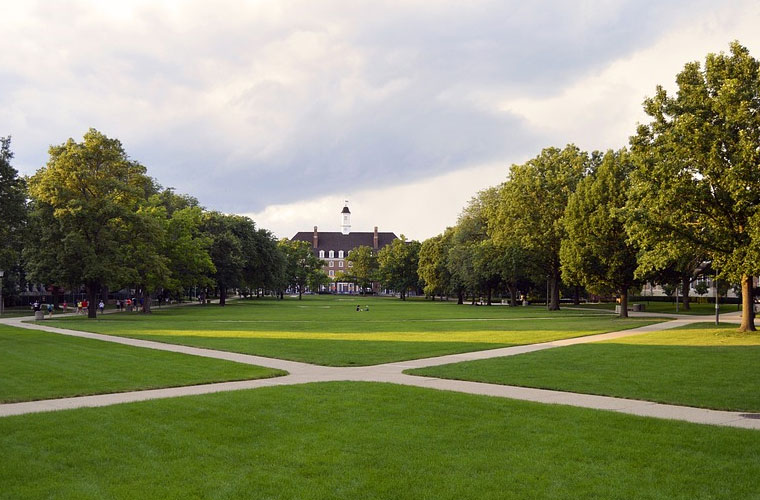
350, 264
332, 273
340, 263
332, 254
340, 254
321, 254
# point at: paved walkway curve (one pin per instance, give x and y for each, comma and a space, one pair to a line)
301, 373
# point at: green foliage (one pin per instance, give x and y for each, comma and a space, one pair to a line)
300, 264
432, 268
697, 181
399, 262
87, 196
532, 204
364, 269
596, 252
13, 216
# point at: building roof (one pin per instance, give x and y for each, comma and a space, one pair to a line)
338, 241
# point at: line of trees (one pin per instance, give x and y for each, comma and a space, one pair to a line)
685, 193
92, 218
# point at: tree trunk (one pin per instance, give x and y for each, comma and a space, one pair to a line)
623, 303
512, 295
92, 297
460, 297
146, 301
576, 295
489, 297
222, 295
554, 291
685, 285
748, 306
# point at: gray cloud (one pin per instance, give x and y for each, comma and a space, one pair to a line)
248, 104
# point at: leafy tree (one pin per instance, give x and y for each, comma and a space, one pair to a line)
13, 215
364, 267
87, 196
226, 250
301, 264
398, 265
596, 252
531, 208
432, 268
701, 288
187, 249
698, 181
267, 272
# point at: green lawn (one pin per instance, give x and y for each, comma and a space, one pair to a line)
329, 330
700, 365
40, 365
667, 307
369, 441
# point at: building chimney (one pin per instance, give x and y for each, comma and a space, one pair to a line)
376, 240
315, 240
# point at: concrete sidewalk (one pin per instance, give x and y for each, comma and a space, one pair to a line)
302, 373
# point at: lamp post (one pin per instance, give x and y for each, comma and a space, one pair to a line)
2, 273
717, 305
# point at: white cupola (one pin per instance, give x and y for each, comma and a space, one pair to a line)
345, 219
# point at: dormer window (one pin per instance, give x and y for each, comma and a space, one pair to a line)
332, 254
340, 254
321, 254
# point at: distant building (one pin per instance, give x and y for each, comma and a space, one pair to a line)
333, 248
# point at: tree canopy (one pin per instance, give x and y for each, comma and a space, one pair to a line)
697, 180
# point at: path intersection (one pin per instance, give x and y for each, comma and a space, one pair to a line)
303, 373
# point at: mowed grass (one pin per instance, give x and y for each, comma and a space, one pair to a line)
329, 330
369, 441
667, 307
698, 365
40, 365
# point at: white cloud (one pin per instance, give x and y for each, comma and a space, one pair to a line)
418, 210
285, 107
601, 110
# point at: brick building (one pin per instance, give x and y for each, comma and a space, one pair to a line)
333, 247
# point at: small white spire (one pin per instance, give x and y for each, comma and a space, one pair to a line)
345, 223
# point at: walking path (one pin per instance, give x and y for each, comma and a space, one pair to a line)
301, 373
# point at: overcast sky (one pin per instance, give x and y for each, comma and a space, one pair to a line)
281, 110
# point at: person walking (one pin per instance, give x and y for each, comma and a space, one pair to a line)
101, 306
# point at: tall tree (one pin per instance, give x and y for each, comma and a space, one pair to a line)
13, 215
398, 265
432, 267
227, 250
532, 206
698, 167
88, 194
363, 268
301, 264
596, 252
